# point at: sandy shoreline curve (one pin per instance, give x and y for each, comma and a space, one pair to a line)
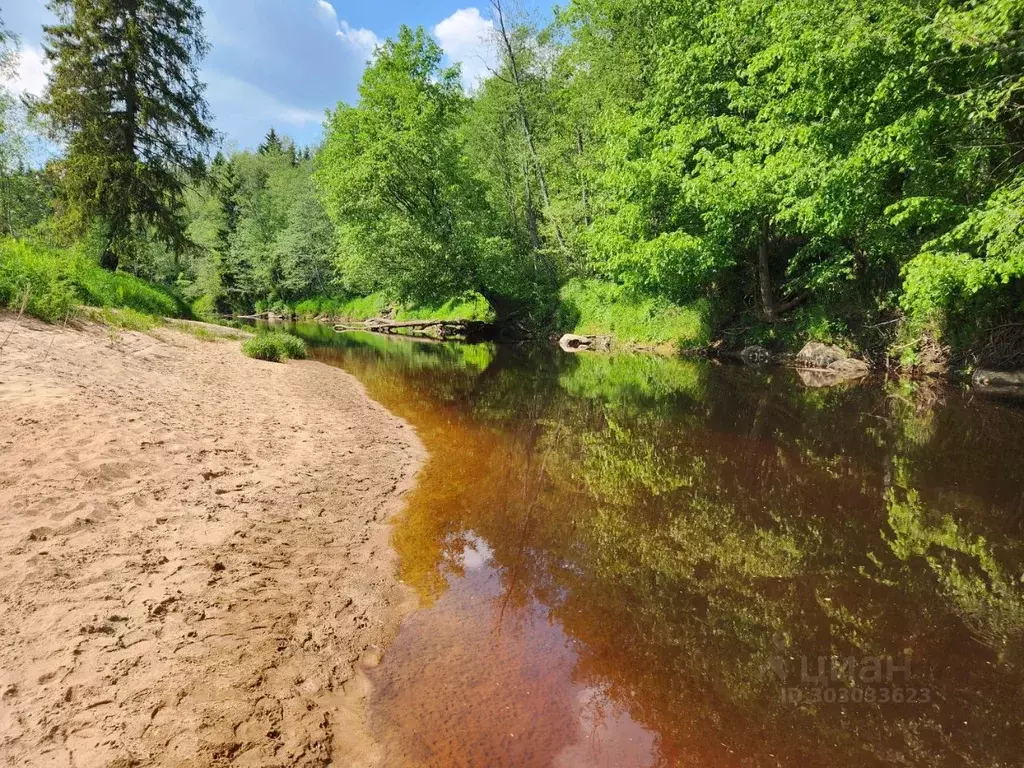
194, 552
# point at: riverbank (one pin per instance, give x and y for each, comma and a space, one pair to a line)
194, 551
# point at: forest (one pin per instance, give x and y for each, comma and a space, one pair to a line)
736, 170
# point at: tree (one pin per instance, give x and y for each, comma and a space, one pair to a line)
15, 180
411, 216
125, 97
304, 248
513, 50
272, 143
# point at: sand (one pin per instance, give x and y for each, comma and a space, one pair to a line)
194, 556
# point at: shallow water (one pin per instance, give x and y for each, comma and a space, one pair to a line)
634, 561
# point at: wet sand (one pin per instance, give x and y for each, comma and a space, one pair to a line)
195, 565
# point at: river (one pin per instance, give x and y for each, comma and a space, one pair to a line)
640, 561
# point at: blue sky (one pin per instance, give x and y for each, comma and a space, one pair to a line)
281, 63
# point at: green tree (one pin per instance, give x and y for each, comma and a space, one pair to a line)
304, 248
272, 143
263, 235
410, 215
125, 97
18, 187
770, 154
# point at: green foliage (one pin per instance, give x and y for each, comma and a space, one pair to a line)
294, 347
810, 169
263, 346
98, 287
471, 306
204, 307
263, 236
55, 282
358, 308
599, 307
396, 181
123, 319
130, 108
35, 280
274, 346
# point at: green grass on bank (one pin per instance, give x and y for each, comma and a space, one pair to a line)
51, 284
274, 346
595, 307
359, 308
470, 307
122, 319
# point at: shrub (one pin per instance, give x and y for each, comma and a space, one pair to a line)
204, 307
263, 347
363, 308
294, 347
471, 306
275, 347
101, 288
308, 307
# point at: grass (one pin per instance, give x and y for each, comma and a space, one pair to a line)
358, 308
123, 319
275, 347
596, 307
51, 284
206, 334
203, 335
472, 306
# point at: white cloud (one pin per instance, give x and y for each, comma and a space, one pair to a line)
30, 72
363, 39
468, 38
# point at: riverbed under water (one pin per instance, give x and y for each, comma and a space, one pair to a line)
639, 561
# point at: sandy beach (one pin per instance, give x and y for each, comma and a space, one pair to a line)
194, 551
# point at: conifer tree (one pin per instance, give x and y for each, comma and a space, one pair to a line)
125, 98
272, 143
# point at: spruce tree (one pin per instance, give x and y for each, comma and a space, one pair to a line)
125, 98
272, 143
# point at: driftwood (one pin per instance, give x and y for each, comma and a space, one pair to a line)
1003, 383
571, 342
257, 316
444, 328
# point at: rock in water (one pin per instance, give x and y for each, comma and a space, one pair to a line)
573, 343
756, 355
830, 365
818, 355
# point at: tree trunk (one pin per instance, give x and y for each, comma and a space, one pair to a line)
524, 120
764, 277
583, 181
7, 195
109, 259
531, 218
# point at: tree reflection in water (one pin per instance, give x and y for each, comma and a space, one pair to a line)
618, 557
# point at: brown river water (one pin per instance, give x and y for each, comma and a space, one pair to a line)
637, 561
